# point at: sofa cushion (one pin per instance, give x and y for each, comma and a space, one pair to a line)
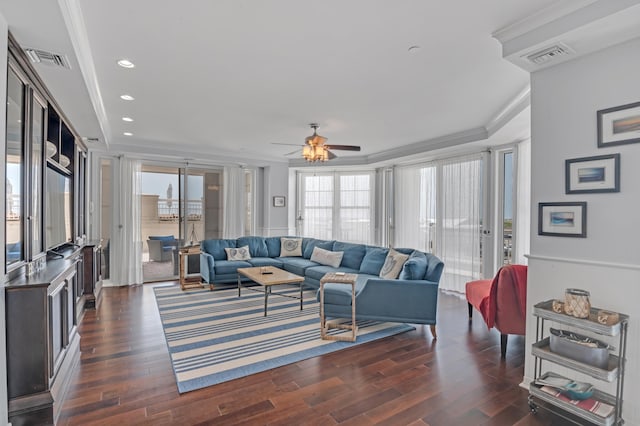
216, 248
290, 247
353, 254
434, 268
312, 243
273, 246
373, 260
326, 257
265, 261
296, 265
415, 267
240, 253
317, 272
393, 265
230, 266
340, 294
257, 246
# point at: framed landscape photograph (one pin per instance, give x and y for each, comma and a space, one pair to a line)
563, 219
279, 201
619, 125
593, 174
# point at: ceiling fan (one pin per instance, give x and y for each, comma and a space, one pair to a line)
316, 149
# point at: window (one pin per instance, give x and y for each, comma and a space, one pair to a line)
336, 206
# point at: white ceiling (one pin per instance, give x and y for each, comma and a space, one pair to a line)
235, 76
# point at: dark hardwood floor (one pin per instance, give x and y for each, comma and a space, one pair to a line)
125, 377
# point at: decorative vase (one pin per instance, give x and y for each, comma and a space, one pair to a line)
576, 303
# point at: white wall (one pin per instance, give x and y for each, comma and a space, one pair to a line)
276, 182
564, 101
4, 30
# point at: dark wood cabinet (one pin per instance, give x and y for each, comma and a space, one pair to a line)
92, 279
43, 346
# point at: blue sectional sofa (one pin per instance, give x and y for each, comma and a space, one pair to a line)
412, 297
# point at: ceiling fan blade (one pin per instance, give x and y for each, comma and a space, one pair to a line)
297, 151
331, 155
344, 147
290, 144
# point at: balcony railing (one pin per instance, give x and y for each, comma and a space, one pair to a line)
169, 209
13, 206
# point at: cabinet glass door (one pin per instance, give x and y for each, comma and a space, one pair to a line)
37, 159
14, 172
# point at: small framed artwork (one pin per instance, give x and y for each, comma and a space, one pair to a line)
619, 125
592, 174
563, 219
279, 201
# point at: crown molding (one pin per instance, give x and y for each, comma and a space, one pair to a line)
513, 108
76, 28
538, 19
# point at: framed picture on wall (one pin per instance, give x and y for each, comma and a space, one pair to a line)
563, 219
593, 174
279, 201
619, 125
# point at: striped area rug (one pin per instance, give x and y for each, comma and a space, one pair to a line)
214, 336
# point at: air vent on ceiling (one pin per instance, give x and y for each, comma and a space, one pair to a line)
550, 53
90, 140
48, 58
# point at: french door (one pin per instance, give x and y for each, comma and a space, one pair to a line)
180, 206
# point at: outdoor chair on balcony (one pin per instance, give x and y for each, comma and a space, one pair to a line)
162, 248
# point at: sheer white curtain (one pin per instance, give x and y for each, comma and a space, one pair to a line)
460, 207
126, 250
415, 207
523, 202
234, 202
355, 208
317, 206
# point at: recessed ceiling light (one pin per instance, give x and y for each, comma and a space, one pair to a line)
414, 48
127, 97
125, 63
128, 119
128, 134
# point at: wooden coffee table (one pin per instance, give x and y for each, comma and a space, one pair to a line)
269, 276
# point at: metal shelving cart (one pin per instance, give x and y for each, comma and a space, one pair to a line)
613, 372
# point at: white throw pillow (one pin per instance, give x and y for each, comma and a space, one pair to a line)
240, 253
290, 247
393, 264
326, 257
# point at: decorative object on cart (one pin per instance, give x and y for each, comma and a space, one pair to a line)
563, 219
607, 317
601, 408
579, 347
569, 388
576, 303
619, 125
279, 201
557, 306
592, 174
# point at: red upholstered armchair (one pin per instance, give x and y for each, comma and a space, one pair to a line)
502, 301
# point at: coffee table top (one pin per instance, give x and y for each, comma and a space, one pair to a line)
277, 275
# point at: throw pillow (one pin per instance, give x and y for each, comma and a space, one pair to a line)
393, 265
326, 257
240, 253
290, 247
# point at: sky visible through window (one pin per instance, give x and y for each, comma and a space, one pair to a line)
158, 183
